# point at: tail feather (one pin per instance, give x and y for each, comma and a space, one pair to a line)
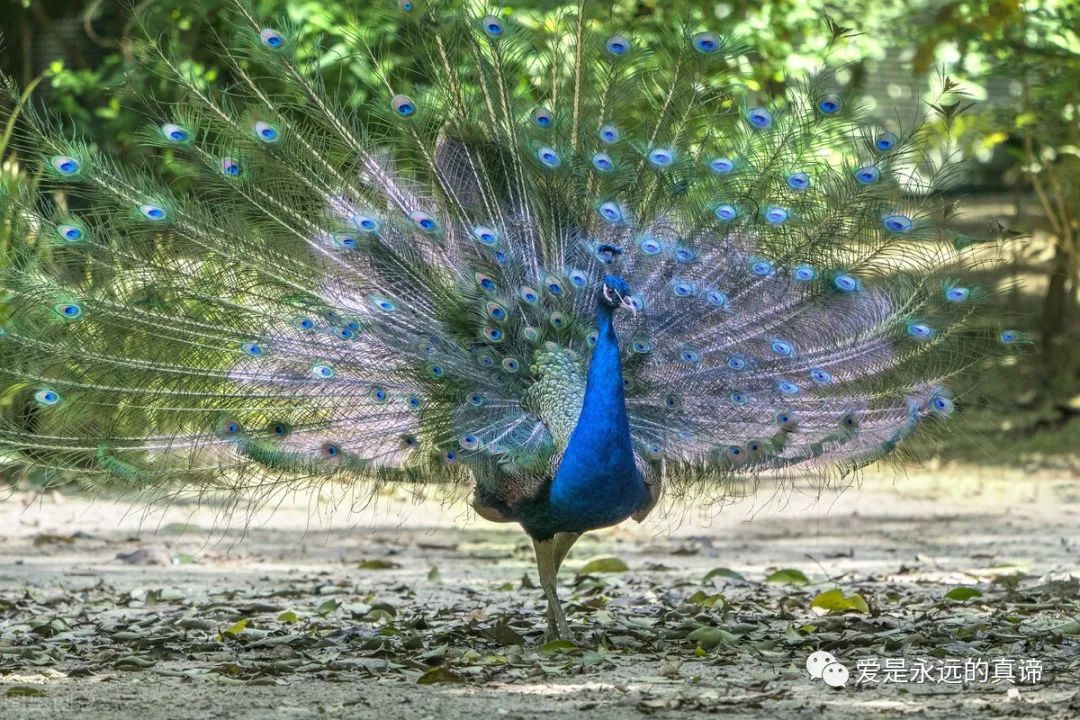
406, 290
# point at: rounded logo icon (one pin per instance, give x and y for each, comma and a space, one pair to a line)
817, 662
835, 675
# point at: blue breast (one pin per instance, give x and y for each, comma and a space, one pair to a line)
597, 483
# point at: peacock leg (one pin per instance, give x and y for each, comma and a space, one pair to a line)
563, 542
548, 568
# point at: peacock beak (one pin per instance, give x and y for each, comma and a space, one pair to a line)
627, 303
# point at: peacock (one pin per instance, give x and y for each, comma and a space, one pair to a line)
565, 269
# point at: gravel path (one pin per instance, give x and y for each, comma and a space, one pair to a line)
410, 609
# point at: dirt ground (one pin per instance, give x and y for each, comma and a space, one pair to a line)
414, 610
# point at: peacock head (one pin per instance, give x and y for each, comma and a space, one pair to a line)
616, 294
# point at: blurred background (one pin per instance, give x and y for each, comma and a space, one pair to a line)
1018, 189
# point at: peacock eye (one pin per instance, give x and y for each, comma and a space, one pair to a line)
528, 295
682, 288
661, 157
821, 377
492, 26
942, 405
618, 45
689, 355
867, 175
602, 162
305, 323
785, 420
706, 42
957, 294
830, 104
382, 303
68, 311
403, 105
760, 118
650, 245
175, 133
805, 273
717, 298
330, 450
897, 223
469, 441
885, 142
845, 283
323, 372
609, 134
722, 165
423, 221
578, 278
776, 215
70, 233
153, 212
253, 348
378, 394
1009, 336
782, 348
365, 224
231, 167
228, 428
272, 38
726, 213
47, 397
787, 387
66, 165
542, 117
737, 363
798, 181
761, 268
485, 235
611, 212
920, 331
740, 398
641, 346
510, 365
549, 157
266, 132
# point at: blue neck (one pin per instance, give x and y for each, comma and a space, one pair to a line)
603, 415
597, 483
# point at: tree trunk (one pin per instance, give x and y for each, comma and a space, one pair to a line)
1058, 308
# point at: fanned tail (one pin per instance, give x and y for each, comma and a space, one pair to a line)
406, 291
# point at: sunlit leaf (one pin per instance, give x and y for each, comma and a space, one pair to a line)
788, 576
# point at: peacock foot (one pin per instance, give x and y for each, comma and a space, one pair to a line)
558, 631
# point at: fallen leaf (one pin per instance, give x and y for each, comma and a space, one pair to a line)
834, 601
603, 565
440, 674
788, 576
